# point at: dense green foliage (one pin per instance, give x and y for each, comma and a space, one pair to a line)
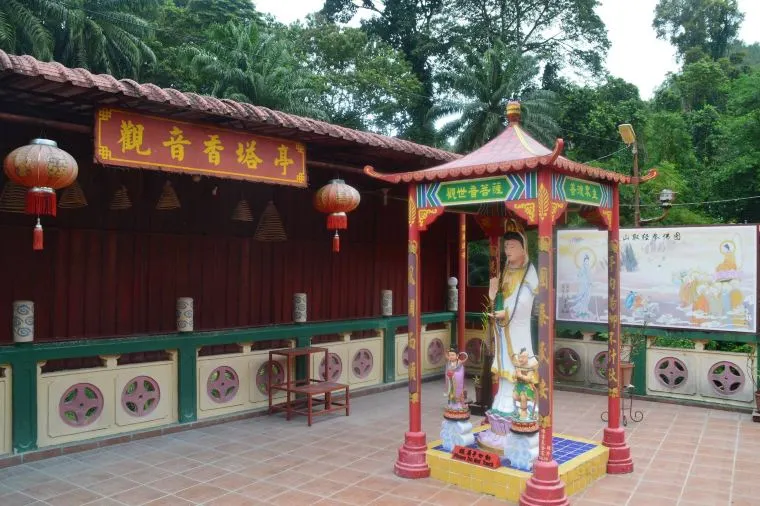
440, 73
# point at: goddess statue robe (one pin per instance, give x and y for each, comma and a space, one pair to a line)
516, 336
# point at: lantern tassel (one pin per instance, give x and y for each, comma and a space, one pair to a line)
37, 242
337, 221
336, 243
41, 201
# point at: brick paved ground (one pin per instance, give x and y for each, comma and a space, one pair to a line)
683, 456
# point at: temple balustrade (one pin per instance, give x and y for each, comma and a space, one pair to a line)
73, 395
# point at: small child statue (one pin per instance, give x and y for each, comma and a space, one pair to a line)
456, 428
455, 392
526, 379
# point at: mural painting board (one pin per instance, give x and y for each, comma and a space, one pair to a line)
699, 278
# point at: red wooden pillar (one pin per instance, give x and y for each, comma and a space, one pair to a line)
620, 461
544, 488
462, 281
411, 462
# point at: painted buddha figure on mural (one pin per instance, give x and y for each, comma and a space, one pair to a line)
512, 294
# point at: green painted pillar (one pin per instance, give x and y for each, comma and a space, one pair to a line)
24, 401
188, 383
303, 342
389, 354
640, 371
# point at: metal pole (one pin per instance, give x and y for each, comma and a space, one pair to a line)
636, 204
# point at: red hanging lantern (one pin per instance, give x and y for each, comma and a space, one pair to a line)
336, 199
44, 168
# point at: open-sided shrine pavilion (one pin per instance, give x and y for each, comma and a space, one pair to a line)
538, 186
188, 247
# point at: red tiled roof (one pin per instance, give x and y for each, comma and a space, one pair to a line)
513, 150
55, 72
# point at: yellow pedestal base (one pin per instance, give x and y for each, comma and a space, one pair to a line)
506, 483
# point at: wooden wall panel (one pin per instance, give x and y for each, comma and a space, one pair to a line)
107, 273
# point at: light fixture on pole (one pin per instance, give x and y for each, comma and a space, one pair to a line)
629, 138
666, 196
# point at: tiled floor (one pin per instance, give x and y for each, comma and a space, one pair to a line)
683, 456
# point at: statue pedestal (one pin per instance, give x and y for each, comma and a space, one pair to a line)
494, 438
456, 433
521, 450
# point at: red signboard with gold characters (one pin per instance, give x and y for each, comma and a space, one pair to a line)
127, 139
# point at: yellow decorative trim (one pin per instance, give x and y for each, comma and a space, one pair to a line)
557, 209
104, 152
412, 343
412, 247
613, 392
412, 371
300, 148
543, 357
422, 216
105, 114
414, 398
543, 202
528, 209
543, 390
544, 244
615, 247
412, 311
412, 211
606, 215
546, 421
543, 278
523, 141
543, 318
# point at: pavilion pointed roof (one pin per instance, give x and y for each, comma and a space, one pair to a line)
513, 150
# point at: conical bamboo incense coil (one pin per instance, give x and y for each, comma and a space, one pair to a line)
270, 227
72, 197
242, 212
168, 199
13, 198
120, 200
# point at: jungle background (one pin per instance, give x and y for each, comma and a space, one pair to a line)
439, 72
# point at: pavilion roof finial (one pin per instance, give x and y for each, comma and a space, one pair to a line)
514, 112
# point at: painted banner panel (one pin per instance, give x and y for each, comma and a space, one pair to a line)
700, 278
127, 139
477, 191
580, 191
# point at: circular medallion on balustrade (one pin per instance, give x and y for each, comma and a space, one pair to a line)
436, 352
262, 375
671, 372
474, 349
726, 377
405, 357
567, 362
600, 364
362, 363
335, 369
223, 384
81, 405
141, 396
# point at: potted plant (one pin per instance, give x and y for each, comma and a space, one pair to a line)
632, 342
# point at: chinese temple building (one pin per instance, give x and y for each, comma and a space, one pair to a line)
159, 279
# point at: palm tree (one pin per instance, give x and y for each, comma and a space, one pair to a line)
99, 35
103, 35
22, 31
242, 62
479, 90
